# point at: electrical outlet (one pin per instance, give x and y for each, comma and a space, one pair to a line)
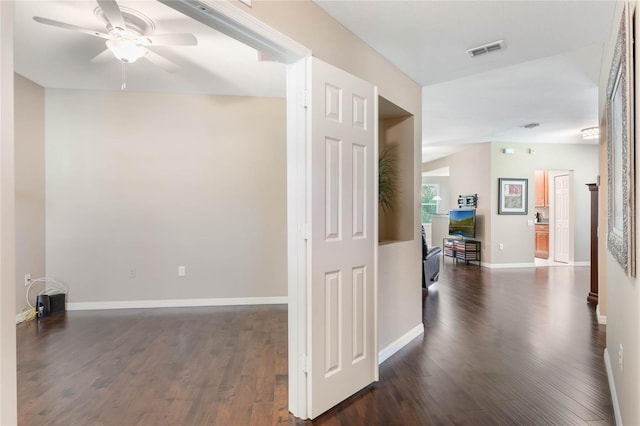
501, 246
182, 271
132, 273
621, 357
27, 279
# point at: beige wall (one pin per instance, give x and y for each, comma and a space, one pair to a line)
622, 291
399, 264
513, 230
8, 400
469, 173
30, 194
153, 181
396, 134
477, 169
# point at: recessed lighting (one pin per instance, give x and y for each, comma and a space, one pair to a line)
590, 133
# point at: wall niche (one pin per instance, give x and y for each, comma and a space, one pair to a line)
395, 132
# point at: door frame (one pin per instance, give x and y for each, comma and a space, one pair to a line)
228, 18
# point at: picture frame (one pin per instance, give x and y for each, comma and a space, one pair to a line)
513, 196
620, 150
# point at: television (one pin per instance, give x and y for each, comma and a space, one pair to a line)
462, 223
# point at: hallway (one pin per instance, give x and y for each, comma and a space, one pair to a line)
516, 346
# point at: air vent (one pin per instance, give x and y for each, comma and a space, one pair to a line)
531, 125
485, 48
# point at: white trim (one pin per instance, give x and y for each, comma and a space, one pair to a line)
508, 265
602, 319
376, 306
580, 263
226, 17
297, 231
175, 303
402, 341
612, 388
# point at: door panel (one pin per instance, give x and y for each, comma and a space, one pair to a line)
562, 218
342, 351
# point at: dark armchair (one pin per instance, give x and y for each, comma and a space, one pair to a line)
430, 262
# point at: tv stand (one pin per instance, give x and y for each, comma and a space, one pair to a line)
461, 249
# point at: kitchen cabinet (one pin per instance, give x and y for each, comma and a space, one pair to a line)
542, 240
542, 188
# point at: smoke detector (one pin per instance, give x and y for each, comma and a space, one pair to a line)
485, 48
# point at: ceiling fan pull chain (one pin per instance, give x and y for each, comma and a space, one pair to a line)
124, 77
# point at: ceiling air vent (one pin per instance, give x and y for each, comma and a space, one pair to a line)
485, 48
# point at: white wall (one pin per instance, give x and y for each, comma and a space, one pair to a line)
30, 189
152, 181
622, 291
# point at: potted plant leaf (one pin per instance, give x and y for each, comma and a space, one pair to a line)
387, 175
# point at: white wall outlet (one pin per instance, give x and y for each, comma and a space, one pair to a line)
621, 357
501, 246
27, 279
530, 222
132, 273
182, 271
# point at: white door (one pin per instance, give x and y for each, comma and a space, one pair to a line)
343, 333
562, 206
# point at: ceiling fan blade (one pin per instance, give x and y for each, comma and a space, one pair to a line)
161, 62
66, 26
113, 13
103, 57
172, 40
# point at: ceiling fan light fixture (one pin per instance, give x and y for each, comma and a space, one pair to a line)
126, 50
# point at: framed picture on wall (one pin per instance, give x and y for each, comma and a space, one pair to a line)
620, 150
513, 196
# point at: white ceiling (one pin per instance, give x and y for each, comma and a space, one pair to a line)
57, 58
547, 72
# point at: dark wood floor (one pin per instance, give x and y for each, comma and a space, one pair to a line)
512, 347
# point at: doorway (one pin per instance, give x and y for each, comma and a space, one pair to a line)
554, 217
282, 49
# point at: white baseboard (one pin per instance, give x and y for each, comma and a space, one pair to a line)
175, 303
602, 319
508, 265
400, 343
581, 263
612, 387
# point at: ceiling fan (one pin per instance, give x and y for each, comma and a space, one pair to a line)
128, 36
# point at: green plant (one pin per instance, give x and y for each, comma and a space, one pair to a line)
387, 174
